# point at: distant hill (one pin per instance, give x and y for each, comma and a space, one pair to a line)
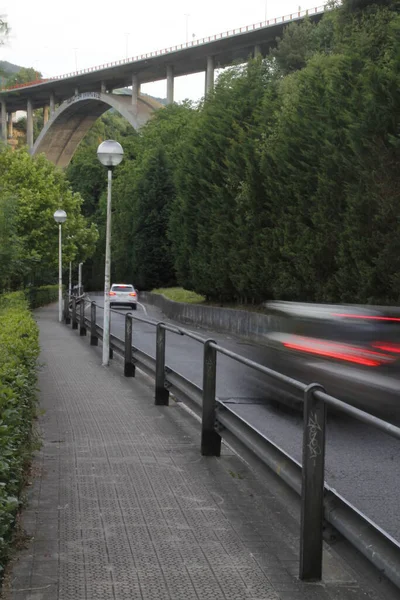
160, 100
128, 92
9, 68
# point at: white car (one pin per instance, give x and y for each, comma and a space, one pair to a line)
123, 294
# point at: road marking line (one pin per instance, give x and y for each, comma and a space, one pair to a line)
144, 308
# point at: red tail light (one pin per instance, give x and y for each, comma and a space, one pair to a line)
387, 346
353, 354
112, 294
369, 317
132, 294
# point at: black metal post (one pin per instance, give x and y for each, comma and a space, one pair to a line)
210, 439
94, 340
161, 393
129, 367
82, 326
74, 321
67, 319
312, 495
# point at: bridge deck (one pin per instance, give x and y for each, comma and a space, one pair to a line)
226, 48
124, 507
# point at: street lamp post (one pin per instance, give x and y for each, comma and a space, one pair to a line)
60, 216
70, 281
110, 154
80, 290
70, 238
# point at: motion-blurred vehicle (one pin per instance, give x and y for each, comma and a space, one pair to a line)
352, 350
122, 294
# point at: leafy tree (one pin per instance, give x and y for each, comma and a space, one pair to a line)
219, 200
89, 178
24, 75
297, 45
4, 30
11, 258
85, 173
143, 197
355, 5
151, 260
38, 189
282, 183
333, 223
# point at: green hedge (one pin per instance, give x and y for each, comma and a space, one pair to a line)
18, 357
40, 296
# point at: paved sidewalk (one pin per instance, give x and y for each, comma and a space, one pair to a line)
124, 507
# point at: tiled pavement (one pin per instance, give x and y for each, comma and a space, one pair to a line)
123, 506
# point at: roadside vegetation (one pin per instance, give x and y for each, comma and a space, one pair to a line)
32, 189
19, 352
281, 184
180, 295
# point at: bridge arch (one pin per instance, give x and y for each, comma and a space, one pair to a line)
69, 124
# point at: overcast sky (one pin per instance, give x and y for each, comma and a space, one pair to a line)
55, 36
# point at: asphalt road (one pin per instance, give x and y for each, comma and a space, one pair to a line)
362, 464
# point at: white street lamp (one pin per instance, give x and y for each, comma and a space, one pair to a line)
60, 216
110, 154
70, 281
70, 237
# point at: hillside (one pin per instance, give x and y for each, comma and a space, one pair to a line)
128, 92
8, 68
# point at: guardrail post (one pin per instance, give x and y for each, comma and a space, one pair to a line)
210, 439
74, 321
82, 327
312, 494
162, 394
94, 340
129, 367
67, 319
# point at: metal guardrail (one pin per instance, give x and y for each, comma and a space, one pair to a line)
318, 500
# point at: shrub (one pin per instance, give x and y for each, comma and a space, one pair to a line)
40, 296
19, 351
180, 295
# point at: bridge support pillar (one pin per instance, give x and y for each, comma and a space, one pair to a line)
52, 104
103, 88
3, 120
10, 126
45, 114
135, 93
210, 74
170, 84
29, 124
257, 51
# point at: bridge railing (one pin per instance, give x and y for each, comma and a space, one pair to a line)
291, 17
319, 503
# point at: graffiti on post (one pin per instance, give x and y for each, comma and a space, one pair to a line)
313, 430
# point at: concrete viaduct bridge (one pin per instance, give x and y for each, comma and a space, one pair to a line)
73, 102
